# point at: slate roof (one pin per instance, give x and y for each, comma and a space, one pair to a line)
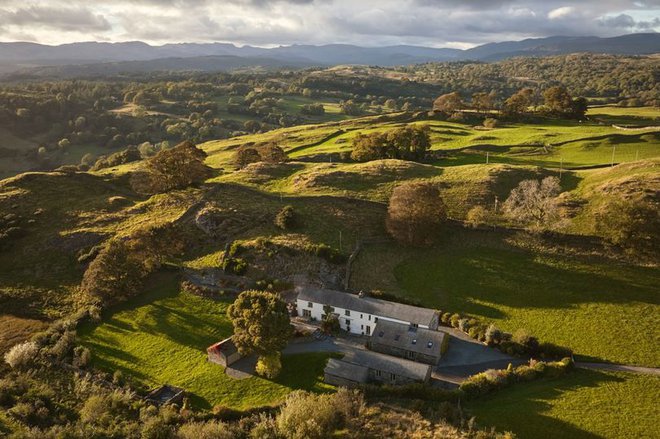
388, 364
397, 335
348, 371
368, 305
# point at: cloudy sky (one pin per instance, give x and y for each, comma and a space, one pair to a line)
438, 23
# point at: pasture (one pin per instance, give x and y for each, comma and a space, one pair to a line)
161, 337
583, 405
604, 311
552, 143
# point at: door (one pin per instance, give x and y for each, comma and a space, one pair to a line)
368, 329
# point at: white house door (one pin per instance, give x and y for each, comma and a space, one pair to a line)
368, 329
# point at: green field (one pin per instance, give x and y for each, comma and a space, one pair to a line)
603, 311
582, 405
554, 143
162, 338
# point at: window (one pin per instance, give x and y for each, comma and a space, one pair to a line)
361, 316
348, 323
375, 319
397, 336
347, 312
411, 354
414, 325
369, 317
362, 327
381, 333
310, 305
377, 373
392, 377
306, 313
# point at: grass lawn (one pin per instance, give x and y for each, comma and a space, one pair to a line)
601, 310
162, 338
584, 405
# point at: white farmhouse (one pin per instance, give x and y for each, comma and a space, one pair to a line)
359, 314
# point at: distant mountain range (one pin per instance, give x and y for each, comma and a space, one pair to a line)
94, 58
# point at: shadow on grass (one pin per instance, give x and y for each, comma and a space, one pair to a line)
522, 408
520, 280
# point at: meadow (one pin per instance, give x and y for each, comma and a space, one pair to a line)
551, 143
162, 338
604, 311
583, 405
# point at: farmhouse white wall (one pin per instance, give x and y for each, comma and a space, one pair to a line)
356, 322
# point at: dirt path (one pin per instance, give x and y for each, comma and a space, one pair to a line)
619, 368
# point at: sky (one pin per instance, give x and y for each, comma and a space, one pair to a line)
268, 23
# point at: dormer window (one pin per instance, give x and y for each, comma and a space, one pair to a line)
396, 337
429, 344
381, 333
414, 341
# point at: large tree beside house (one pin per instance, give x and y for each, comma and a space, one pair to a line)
261, 326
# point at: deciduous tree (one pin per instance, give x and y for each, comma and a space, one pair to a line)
415, 213
449, 103
261, 323
534, 203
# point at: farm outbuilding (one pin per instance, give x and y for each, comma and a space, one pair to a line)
224, 353
360, 367
409, 342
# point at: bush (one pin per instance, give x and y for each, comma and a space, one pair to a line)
551, 350
269, 366
235, 266
490, 122
22, 355
327, 253
477, 216
286, 218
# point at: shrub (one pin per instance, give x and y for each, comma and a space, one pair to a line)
529, 343
455, 318
286, 218
493, 335
490, 122
477, 216
330, 324
269, 366
327, 253
525, 373
551, 350
81, 356
235, 266
22, 355
445, 318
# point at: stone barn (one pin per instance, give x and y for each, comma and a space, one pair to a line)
224, 353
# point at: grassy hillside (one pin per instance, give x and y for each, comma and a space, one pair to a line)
571, 301
571, 293
586, 404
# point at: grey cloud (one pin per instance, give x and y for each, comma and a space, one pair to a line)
364, 22
75, 18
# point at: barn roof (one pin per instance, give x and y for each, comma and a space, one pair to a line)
368, 305
397, 335
388, 364
347, 371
